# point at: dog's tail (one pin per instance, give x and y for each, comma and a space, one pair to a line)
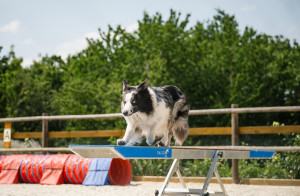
180, 128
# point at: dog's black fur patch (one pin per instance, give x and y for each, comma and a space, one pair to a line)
141, 101
170, 94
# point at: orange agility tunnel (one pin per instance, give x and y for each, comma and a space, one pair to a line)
10, 169
1, 158
63, 168
76, 169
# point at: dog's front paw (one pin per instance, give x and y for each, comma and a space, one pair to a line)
121, 142
149, 142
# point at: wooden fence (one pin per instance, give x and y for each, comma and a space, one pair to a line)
234, 130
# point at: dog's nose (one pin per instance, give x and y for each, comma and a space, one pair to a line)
125, 113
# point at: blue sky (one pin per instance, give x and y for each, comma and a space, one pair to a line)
60, 26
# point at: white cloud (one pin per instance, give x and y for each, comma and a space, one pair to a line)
27, 62
12, 27
75, 46
247, 8
131, 28
29, 41
92, 35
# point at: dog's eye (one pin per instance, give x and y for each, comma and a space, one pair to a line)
124, 102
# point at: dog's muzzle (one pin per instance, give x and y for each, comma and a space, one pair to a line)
127, 113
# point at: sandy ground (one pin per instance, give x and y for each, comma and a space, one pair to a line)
139, 188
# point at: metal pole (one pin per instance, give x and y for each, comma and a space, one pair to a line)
235, 142
210, 173
173, 169
45, 132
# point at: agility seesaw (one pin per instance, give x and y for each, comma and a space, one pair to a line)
176, 153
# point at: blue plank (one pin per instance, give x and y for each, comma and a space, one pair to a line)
261, 154
144, 152
160, 152
136, 151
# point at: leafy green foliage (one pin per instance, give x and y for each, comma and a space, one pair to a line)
214, 63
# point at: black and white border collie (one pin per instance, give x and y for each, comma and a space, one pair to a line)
154, 111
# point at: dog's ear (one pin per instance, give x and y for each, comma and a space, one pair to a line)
143, 86
125, 85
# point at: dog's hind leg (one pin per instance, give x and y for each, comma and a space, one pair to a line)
179, 106
179, 120
180, 130
170, 135
165, 141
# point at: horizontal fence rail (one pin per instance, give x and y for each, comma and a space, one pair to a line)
191, 113
63, 117
13, 150
246, 110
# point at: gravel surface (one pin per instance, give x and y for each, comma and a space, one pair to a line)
139, 188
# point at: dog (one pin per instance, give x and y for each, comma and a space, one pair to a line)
154, 111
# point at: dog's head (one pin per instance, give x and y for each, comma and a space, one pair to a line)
134, 98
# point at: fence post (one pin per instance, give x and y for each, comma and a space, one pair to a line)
7, 135
235, 142
45, 132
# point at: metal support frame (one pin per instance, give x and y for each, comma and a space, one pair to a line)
186, 191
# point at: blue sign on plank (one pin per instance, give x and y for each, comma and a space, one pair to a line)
144, 152
261, 154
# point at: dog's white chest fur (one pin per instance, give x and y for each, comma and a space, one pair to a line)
148, 123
